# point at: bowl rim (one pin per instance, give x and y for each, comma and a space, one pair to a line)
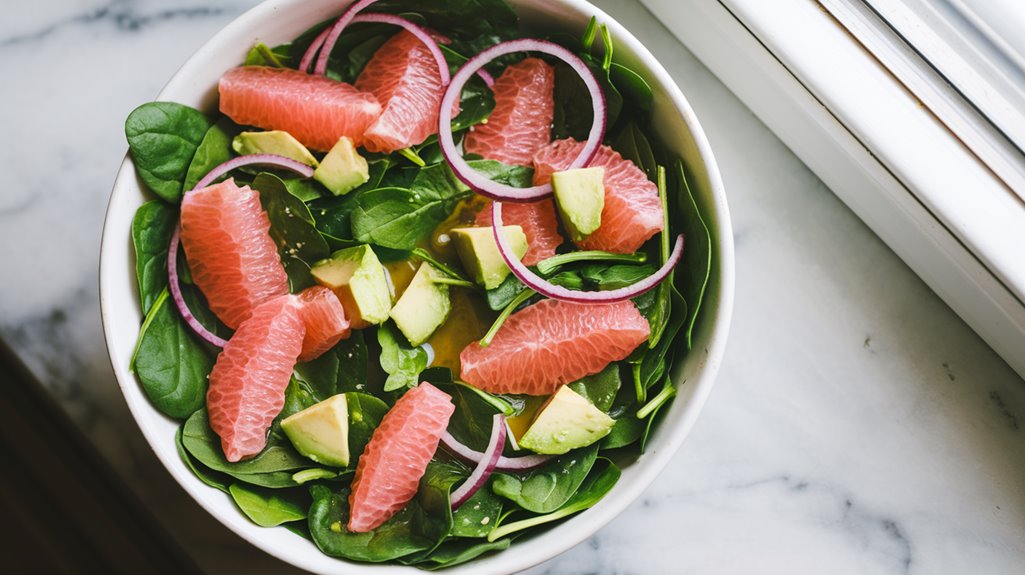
575, 530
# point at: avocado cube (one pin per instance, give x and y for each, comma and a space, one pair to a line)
278, 142
342, 169
566, 422
580, 197
479, 253
321, 431
423, 307
360, 281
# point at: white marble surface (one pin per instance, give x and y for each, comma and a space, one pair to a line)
858, 425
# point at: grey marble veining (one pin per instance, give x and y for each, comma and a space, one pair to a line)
858, 425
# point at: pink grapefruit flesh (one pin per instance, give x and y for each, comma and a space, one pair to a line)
552, 343
539, 224
389, 471
248, 381
316, 110
324, 321
521, 122
232, 258
403, 75
632, 212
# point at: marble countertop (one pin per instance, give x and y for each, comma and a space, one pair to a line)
858, 426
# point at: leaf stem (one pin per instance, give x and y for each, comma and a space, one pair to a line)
606, 37
667, 393
453, 282
515, 303
269, 55
642, 392
545, 267
427, 257
411, 155
588, 38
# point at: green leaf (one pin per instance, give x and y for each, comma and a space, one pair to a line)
170, 363
631, 85
268, 508
600, 388
262, 55
214, 150
697, 257
365, 414
152, 226
478, 515
473, 417
458, 551
632, 144
500, 297
402, 362
163, 138
352, 363
293, 229
590, 492
548, 487
208, 476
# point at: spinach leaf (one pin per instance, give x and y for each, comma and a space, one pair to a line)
634, 146
473, 417
293, 230
653, 362
306, 190
352, 363
475, 104
210, 477
418, 527
163, 137
272, 467
458, 551
546, 488
170, 363
268, 508
697, 258
501, 296
365, 414
609, 277
152, 226
625, 431
631, 85
402, 362
591, 491
465, 19
478, 516
664, 398
600, 388
320, 375
262, 55
213, 150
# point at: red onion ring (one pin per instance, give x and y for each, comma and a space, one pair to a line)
543, 287
466, 453
485, 466
179, 299
265, 159
333, 32
172, 250
420, 33
482, 184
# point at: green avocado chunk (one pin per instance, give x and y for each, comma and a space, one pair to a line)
276, 142
580, 197
342, 169
479, 253
566, 422
360, 281
423, 307
321, 431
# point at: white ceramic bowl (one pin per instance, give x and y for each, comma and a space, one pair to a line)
279, 21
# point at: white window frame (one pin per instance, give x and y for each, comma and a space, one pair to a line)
891, 139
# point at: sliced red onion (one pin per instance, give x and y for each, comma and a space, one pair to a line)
545, 288
415, 30
333, 32
466, 453
262, 159
311, 51
179, 300
481, 183
485, 466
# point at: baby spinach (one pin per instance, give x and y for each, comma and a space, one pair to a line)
634, 146
352, 363
171, 365
268, 508
474, 415
402, 362
213, 150
210, 477
163, 138
293, 229
152, 226
365, 414
458, 551
478, 516
697, 258
591, 491
600, 388
546, 488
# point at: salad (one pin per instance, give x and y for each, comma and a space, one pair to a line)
415, 289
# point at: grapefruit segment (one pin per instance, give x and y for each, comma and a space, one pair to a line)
552, 343
248, 381
521, 121
389, 471
403, 75
316, 110
632, 212
323, 319
232, 258
539, 224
